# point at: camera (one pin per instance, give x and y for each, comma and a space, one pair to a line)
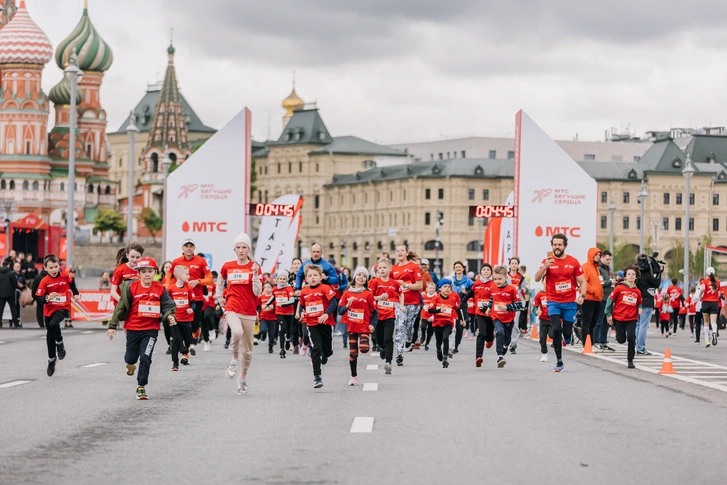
650, 264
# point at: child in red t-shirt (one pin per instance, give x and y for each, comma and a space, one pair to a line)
623, 308
388, 296
665, 312
481, 296
284, 310
505, 302
183, 296
426, 317
268, 320
444, 307
358, 312
540, 303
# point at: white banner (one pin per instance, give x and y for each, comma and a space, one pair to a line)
552, 194
207, 195
277, 235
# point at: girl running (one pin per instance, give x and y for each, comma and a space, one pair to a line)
167, 329
126, 260
623, 308
664, 315
388, 295
182, 295
517, 280
481, 290
444, 307
426, 317
675, 295
358, 312
540, 303
268, 318
708, 293
691, 304
461, 284
284, 309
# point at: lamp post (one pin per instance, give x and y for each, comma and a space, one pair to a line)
74, 74
9, 206
642, 198
611, 211
166, 163
687, 172
131, 130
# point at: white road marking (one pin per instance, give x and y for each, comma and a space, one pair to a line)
88, 331
372, 367
371, 386
18, 383
362, 425
2, 341
41, 338
97, 364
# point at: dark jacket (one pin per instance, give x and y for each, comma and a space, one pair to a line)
40, 300
8, 282
607, 286
647, 284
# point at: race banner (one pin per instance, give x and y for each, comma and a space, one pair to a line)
499, 238
553, 194
277, 236
93, 306
207, 195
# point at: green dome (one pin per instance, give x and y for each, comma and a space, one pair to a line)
171, 49
93, 53
60, 94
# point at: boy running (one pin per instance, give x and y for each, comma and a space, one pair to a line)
388, 296
182, 295
444, 307
505, 302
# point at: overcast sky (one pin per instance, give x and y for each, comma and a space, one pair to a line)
415, 70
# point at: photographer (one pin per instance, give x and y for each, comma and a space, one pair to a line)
650, 279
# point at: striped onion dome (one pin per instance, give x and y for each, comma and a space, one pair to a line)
60, 94
94, 54
23, 42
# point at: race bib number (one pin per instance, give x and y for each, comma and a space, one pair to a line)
445, 310
280, 300
544, 303
630, 300
181, 302
149, 309
60, 299
600, 278
315, 310
470, 304
387, 304
354, 316
563, 287
238, 277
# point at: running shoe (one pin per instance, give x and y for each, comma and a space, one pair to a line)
450, 354
411, 349
399, 360
501, 362
478, 362
706, 345
51, 367
241, 387
631, 365
417, 346
607, 348
426, 348
643, 352
193, 349
513, 350
353, 381
559, 367
141, 394
324, 360
408, 344
455, 351
387, 368
195, 334
169, 350
282, 353
382, 353
488, 344
317, 382
61, 349
232, 370
566, 341
227, 344
257, 341
206, 347
130, 369
544, 358
445, 364
175, 367
270, 350
714, 342
295, 350
185, 359
440, 357
303, 350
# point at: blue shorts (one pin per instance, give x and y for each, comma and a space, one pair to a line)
567, 311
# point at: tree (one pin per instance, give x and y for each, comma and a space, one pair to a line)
107, 219
152, 222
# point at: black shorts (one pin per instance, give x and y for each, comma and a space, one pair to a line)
710, 307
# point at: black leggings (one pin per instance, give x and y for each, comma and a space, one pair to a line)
543, 336
385, 337
53, 331
626, 331
442, 336
288, 328
427, 332
139, 347
589, 311
167, 332
698, 321
181, 340
560, 330
674, 319
321, 339
458, 331
356, 342
664, 325
487, 333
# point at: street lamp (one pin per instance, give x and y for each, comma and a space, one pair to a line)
131, 130
611, 211
166, 163
642, 198
687, 172
9, 206
74, 74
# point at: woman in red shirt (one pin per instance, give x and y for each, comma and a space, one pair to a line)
709, 290
358, 312
244, 285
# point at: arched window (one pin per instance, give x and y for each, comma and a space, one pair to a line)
432, 245
90, 188
35, 186
392, 246
108, 190
12, 185
3, 185
26, 185
154, 163
63, 187
173, 157
475, 246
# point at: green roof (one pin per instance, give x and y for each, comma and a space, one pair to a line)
144, 112
29, 176
353, 145
703, 148
305, 127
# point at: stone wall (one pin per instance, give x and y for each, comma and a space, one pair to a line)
95, 258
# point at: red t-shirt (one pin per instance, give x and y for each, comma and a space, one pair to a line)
61, 285
183, 298
409, 273
542, 302
240, 298
448, 307
515, 279
209, 298
692, 304
426, 299
315, 302
482, 295
145, 312
674, 293
358, 315
283, 295
506, 295
626, 301
710, 294
387, 307
664, 315
198, 270
262, 302
122, 273
561, 285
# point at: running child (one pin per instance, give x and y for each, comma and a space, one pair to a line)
505, 302
144, 303
182, 295
708, 293
623, 308
54, 288
358, 312
268, 320
540, 303
387, 294
481, 294
284, 310
126, 260
664, 310
426, 317
444, 307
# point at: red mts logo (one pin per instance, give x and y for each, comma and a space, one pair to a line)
205, 227
550, 231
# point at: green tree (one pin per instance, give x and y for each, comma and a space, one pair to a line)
152, 222
624, 255
107, 219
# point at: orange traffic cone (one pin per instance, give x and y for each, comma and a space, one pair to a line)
550, 340
587, 349
667, 367
534, 332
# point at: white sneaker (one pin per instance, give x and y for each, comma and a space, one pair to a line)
241, 387
232, 370
353, 381
544, 358
206, 347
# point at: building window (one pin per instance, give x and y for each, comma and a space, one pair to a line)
691, 223
448, 155
266, 170
259, 197
493, 154
404, 194
63, 186
427, 218
485, 194
665, 223
35, 186
715, 225
428, 194
511, 155
638, 223
636, 158
604, 197
471, 194
278, 167
317, 201
26, 185
666, 199
604, 222
715, 199
290, 167
317, 220
316, 167
691, 199
678, 199
678, 224
589, 157
266, 197
441, 156
391, 196
464, 154
471, 221
300, 167
626, 197
441, 194
626, 222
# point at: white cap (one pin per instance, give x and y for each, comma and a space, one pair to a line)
710, 271
281, 272
359, 270
243, 238
425, 261
189, 241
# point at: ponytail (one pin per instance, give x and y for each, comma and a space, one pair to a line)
713, 282
121, 257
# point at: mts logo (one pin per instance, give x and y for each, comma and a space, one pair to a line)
550, 231
205, 227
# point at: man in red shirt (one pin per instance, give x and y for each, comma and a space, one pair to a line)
409, 276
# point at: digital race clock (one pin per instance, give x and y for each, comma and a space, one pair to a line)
271, 210
487, 211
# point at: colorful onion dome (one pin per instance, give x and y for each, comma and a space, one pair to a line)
60, 94
23, 42
9, 9
94, 54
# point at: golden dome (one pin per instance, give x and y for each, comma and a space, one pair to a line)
292, 102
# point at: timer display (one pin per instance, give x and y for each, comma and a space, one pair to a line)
271, 210
488, 211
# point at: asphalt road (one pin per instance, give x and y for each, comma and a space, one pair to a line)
598, 422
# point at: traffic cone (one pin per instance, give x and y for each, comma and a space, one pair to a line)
588, 349
550, 340
667, 367
534, 332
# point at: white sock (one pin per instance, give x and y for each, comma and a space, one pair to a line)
235, 361
52, 360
